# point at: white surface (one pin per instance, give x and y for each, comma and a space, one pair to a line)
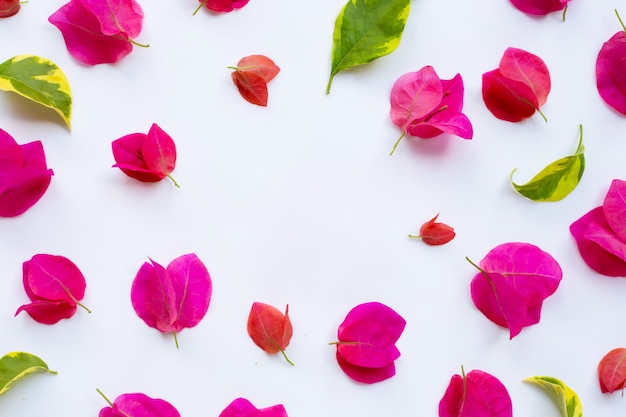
300, 203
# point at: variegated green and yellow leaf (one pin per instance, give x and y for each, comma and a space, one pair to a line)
366, 30
16, 365
565, 398
40, 80
558, 179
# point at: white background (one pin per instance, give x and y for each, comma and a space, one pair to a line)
300, 203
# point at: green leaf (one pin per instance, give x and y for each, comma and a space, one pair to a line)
40, 80
16, 365
556, 180
366, 30
565, 398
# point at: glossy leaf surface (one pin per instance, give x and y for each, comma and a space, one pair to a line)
55, 287
512, 283
16, 365
40, 80
270, 329
173, 298
612, 370
557, 180
477, 394
366, 30
563, 396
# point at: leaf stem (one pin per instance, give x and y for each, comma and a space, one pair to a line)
542, 115
104, 396
564, 11
233, 68
620, 20
415, 236
199, 7
286, 358
397, 142
176, 340
330, 81
580, 147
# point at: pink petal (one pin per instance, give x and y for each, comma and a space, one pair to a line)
480, 395
368, 344
453, 91
364, 374
116, 16
239, 407
539, 7
139, 405
455, 124
21, 187
48, 312
11, 157
508, 99
54, 278
375, 312
519, 65
615, 208
414, 95
192, 287
84, 38
128, 155
499, 302
159, 151
595, 255
153, 297
273, 411
225, 6
611, 72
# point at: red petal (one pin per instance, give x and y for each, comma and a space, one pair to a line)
519, 65
259, 65
252, 87
269, 328
539, 7
159, 151
364, 374
224, 6
508, 99
48, 312
128, 155
612, 370
9, 7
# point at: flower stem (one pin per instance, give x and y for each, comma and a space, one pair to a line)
620, 20
564, 11
397, 142
141, 45
104, 396
173, 180
414, 237
542, 115
286, 358
176, 340
199, 7
83, 306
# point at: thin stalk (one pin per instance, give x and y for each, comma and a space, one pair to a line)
104, 396
620, 20
286, 358
199, 7
397, 142
176, 340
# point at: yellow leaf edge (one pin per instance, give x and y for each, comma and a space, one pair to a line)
26, 372
561, 394
57, 76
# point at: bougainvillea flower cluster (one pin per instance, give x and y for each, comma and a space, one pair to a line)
54, 285
222, 6
366, 342
424, 105
251, 76
270, 329
435, 233
611, 71
601, 233
518, 87
513, 281
137, 405
146, 157
612, 370
99, 32
540, 7
24, 175
477, 394
9, 8
173, 298
241, 407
